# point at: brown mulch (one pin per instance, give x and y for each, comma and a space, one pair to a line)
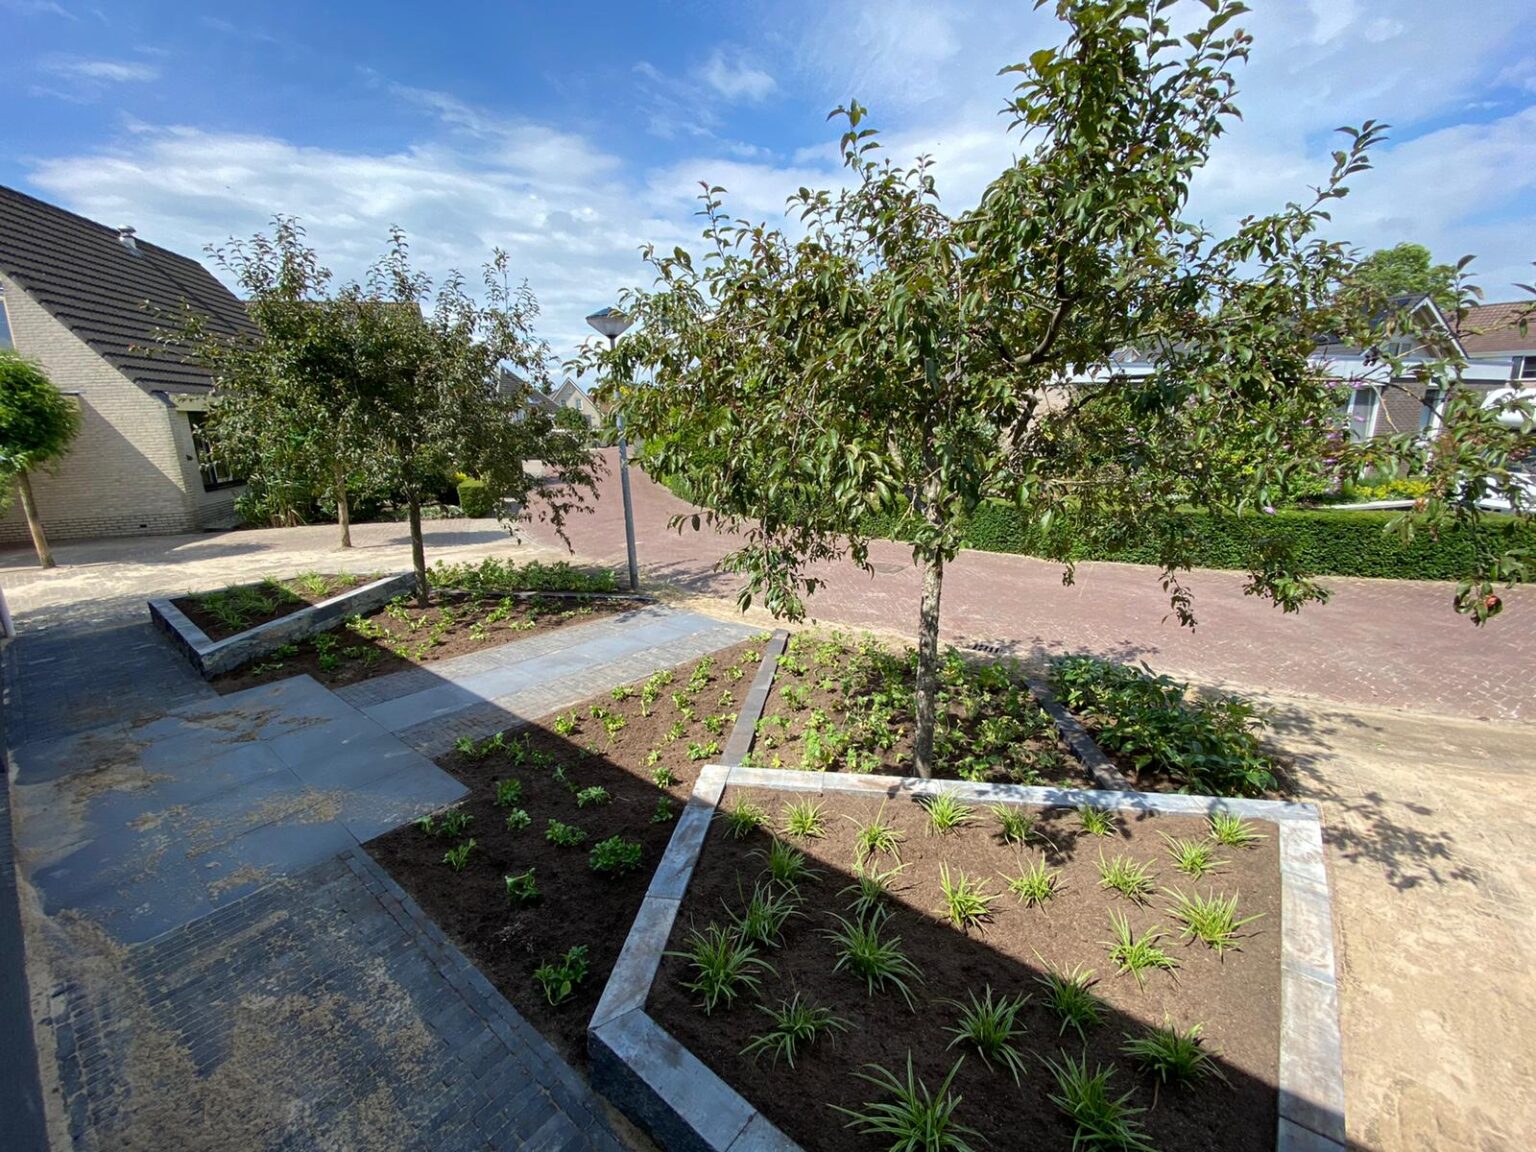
1235, 1000
288, 598
507, 942
408, 640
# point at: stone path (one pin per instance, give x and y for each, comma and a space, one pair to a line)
484, 692
218, 962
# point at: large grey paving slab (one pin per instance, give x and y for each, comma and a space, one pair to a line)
145, 826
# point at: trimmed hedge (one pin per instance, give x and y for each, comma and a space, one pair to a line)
475, 499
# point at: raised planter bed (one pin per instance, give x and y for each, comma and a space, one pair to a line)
1269, 1010
212, 657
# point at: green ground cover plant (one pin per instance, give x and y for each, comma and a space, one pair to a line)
797, 1023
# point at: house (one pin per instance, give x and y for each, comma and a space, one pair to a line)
1492, 332
86, 302
571, 395
513, 388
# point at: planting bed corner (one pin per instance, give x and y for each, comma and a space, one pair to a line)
1269, 1008
215, 657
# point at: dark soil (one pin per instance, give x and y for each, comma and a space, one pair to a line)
1236, 1000
815, 677
404, 636
283, 598
578, 906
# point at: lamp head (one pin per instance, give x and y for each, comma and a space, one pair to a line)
610, 322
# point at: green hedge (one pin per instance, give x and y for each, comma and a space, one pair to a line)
475, 499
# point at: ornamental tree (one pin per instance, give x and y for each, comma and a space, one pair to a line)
885, 359
37, 424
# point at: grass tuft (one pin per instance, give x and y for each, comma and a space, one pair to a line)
914, 1119
1070, 996
1127, 877
871, 889
875, 838
877, 960
1035, 886
761, 920
725, 966
946, 812
1213, 920
1096, 821
1194, 858
1103, 1120
992, 1027
1014, 825
805, 819
1232, 831
1172, 1056
1134, 954
743, 818
786, 866
797, 1024
967, 903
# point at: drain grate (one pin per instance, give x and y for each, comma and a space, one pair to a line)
988, 647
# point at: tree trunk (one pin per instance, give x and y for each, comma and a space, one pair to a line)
927, 667
343, 509
34, 522
418, 550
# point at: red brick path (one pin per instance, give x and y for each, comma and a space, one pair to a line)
1386, 643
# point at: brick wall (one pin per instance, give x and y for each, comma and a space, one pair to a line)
132, 469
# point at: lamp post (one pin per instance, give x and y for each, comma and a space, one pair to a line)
610, 322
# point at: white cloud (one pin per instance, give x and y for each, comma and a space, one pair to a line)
735, 79
108, 71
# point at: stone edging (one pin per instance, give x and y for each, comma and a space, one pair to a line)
685, 1107
1098, 766
212, 657
745, 728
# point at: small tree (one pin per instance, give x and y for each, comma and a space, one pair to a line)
1407, 269
284, 411
37, 424
895, 363
427, 399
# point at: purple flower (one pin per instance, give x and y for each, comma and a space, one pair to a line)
1269, 509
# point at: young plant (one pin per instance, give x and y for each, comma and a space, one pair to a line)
665, 811
1104, 1121
622, 692
1014, 825
508, 792
1213, 920
743, 818
786, 866
1194, 858
1070, 996
1134, 954
914, 1119
1232, 831
967, 902
453, 823
592, 797
725, 966
1096, 821
521, 888
559, 978
870, 889
1172, 1056
878, 961
797, 1024
518, 818
615, 856
946, 812
663, 777
1035, 886
805, 819
564, 835
457, 857
874, 838
761, 921
697, 751
565, 725
1127, 877
992, 1027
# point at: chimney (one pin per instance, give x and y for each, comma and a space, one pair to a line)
125, 238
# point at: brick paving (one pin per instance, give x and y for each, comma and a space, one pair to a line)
1378, 643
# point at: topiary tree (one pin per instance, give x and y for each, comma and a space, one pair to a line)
891, 360
37, 424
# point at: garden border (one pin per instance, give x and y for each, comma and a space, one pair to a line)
659, 1084
212, 657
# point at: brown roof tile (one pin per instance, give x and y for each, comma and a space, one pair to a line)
1494, 329
114, 298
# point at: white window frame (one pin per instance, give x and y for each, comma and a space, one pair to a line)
1431, 412
1524, 368
1358, 433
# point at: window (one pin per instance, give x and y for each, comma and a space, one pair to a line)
1359, 412
5, 327
1525, 368
1429, 411
216, 474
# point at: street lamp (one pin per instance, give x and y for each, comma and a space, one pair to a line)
610, 322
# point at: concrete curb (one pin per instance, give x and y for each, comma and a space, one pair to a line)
666, 1090
212, 657
1098, 766
745, 729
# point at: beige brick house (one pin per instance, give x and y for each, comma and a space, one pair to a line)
86, 301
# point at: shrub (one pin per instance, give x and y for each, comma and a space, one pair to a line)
475, 499
1209, 746
559, 978
616, 855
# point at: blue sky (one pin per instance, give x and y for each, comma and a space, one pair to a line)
572, 134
